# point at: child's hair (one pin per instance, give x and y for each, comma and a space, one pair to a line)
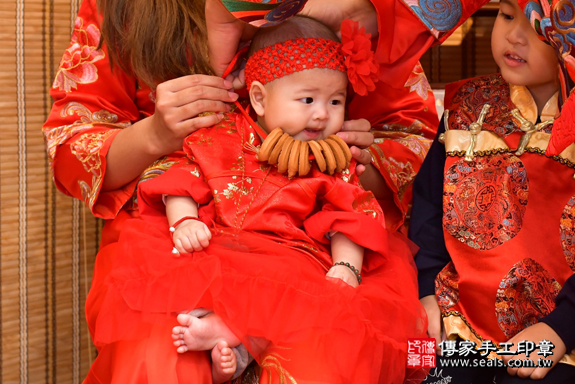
293, 28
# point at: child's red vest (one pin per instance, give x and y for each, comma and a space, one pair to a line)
508, 211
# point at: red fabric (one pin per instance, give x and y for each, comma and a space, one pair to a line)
563, 129
282, 59
510, 243
264, 271
92, 103
361, 66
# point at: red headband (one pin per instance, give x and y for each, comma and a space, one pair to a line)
353, 56
282, 59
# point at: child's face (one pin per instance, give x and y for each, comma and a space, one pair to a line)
308, 105
522, 57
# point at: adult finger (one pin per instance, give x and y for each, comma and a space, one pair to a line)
191, 125
362, 156
357, 138
192, 81
361, 125
192, 110
190, 95
360, 169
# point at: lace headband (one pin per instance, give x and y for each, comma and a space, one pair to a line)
353, 56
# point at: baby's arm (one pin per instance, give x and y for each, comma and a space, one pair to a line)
346, 251
189, 235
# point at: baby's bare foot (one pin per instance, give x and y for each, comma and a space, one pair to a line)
224, 362
201, 334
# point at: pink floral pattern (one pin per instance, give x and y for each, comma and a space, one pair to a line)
77, 65
418, 83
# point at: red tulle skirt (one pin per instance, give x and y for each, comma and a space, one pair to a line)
294, 321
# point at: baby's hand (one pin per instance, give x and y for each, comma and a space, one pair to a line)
343, 273
191, 235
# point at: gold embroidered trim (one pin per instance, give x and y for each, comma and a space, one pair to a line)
497, 151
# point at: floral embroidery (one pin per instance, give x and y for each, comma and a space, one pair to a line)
567, 231
345, 175
86, 116
447, 287
525, 295
416, 144
364, 202
77, 65
59, 135
401, 174
385, 130
418, 83
157, 168
473, 95
87, 151
484, 200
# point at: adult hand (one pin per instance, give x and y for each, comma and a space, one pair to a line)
332, 13
356, 133
434, 328
536, 333
225, 33
179, 105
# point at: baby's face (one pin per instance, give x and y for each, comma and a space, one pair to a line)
308, 105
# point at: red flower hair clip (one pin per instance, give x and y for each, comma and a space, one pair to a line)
359, 58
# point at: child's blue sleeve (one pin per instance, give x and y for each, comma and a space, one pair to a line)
426, 227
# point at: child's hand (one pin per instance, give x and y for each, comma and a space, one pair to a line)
535, 333
191, 235
434, 328
343, 273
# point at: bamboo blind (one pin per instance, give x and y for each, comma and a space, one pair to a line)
48, 241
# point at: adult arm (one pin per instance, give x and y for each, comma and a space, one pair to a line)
101, 133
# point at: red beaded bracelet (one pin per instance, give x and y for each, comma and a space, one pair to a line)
173, 226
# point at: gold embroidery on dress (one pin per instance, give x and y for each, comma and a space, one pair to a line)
365, 204
157, 168
87, 151
59, 135
195, 172
272, 361
346, 175
86, 116
205, 140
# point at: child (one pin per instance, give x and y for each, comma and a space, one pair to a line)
500, 177
300, 270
